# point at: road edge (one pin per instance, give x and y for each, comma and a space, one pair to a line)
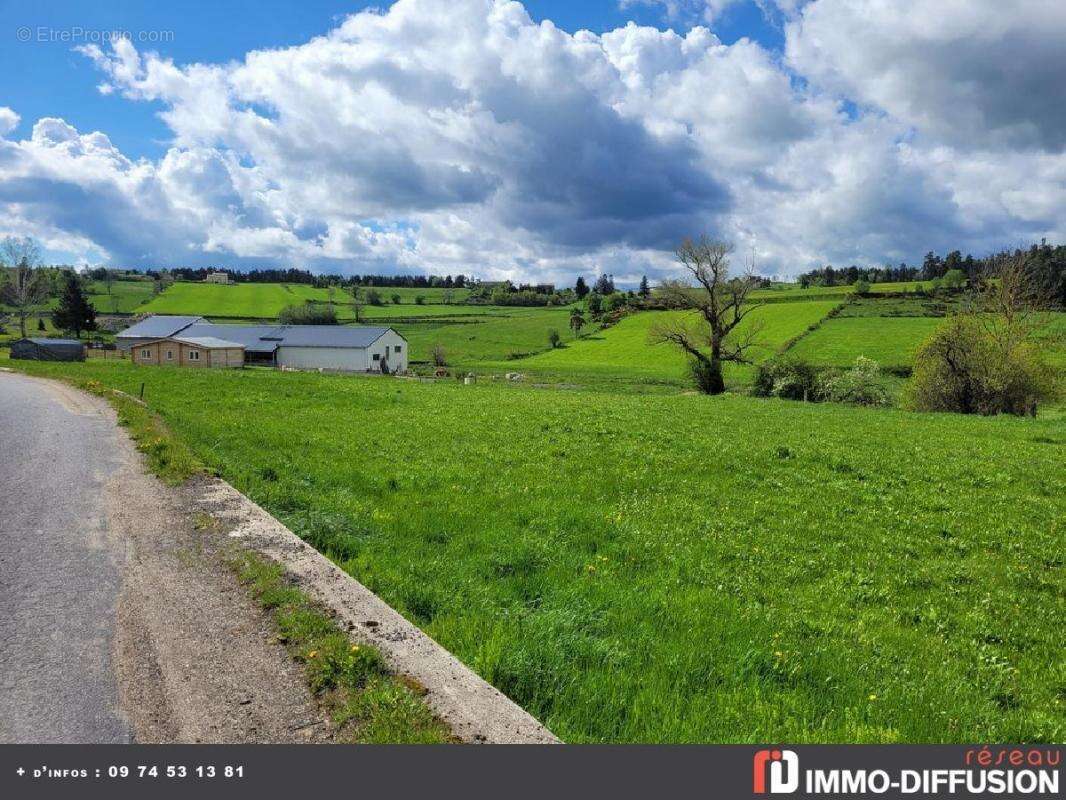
476, 711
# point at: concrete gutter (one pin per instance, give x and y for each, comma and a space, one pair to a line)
476, 711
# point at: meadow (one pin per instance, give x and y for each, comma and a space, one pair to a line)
625, 348
890, 341
124, 297
250, 300
793, 291
673, 568
266, 300
508, 333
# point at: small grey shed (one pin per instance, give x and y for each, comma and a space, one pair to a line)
48, 349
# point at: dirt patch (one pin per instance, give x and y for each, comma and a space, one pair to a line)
474, 710
196, 659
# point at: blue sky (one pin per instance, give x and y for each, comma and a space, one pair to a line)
460, 137
46, 78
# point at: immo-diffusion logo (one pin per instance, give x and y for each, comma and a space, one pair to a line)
1013, 770
783, 769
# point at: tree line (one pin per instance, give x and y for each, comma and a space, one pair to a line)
1046, 264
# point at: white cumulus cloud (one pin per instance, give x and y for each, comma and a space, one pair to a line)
463, 136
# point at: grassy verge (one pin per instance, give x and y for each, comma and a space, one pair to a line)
366, 703
169, 458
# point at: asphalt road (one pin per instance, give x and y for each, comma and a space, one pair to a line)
60, 567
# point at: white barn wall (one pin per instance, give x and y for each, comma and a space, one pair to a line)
389, 341
351, 359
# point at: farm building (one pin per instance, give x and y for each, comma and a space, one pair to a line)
218, 277
48, 349
189, 351
349, 348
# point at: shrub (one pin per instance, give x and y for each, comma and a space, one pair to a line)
707, 375
420, 300
373, 296
862, 384
553, 338
954, 279
614, 302
396, 299
964, 369
439, 356
308, 314
861, 287
786, 377
40, 324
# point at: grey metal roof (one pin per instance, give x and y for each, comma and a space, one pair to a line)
158, 326
207, 342
254, 338
331, 335
267, 338
263, 338
64, 342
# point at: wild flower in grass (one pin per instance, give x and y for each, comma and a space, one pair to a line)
873, 697
312, 654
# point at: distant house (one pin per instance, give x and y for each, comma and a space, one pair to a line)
218, 277
48, 350
349, 348
189, 351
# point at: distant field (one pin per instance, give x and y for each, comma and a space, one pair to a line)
239, 300
125, 296
673, 568
793, 291
266, 300
624, 348
407, 296
890, 341
411, 311
509, 332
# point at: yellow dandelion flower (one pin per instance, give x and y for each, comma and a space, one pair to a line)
873, 697
312, 654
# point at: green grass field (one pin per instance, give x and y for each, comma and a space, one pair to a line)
433, 296
624, 349
124, 298
890, 341
495, 337
266, 300
793, 291
673, 568
262, 300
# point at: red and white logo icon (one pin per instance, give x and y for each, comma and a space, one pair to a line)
783, 766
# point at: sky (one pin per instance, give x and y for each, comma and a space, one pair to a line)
534, 141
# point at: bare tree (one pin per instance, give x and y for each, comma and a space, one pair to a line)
357, 303
722, 303
26, 287
1011, 301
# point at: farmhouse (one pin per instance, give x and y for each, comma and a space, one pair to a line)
218, 277
189, 351
350, 348
48, 349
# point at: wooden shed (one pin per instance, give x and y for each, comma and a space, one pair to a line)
48, 349
189, 351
